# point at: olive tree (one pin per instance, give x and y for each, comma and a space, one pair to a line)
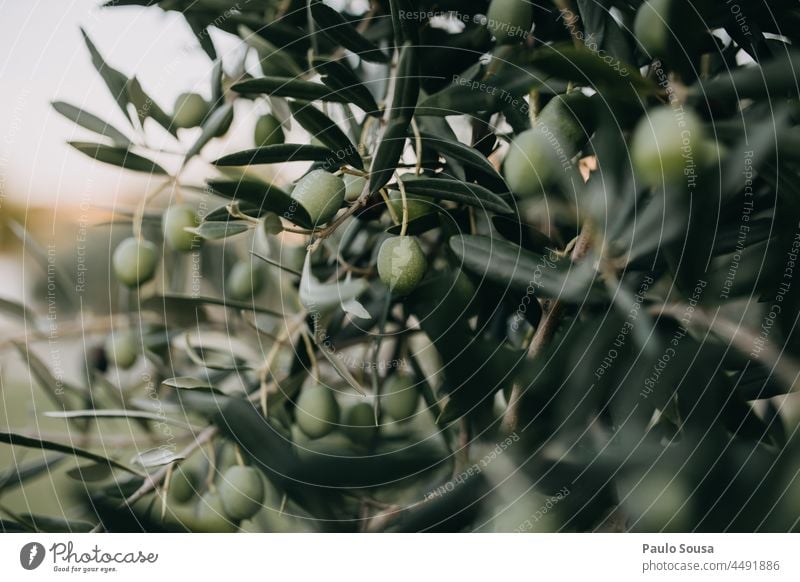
536, 273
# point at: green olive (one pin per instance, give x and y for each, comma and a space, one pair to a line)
651, 27
242, 492
268, 131
317, 411
321, 194
210, 516
401, 264
176, 219
400, 396
359, 424
354, 186
122, 349
417, 205
539, 155
665, 143
183, 485
509, 20
135, 261
190, 110
244, 281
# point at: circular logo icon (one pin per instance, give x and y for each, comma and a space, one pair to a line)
31, 555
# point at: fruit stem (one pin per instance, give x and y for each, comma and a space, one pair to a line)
152, 481
404, 226
311, 355
392, 212
140, 210
551, 319
237, 451
417, 146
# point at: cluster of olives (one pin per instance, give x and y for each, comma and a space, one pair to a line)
239, 494
135, 260
667, 146
539, 155
317, 412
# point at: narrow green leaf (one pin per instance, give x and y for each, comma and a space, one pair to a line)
18, 474
325, 130
146, 107
220, 230
470, 194
114, 414
156, 458
461, 152
321, 298
187, 383
271, 57
586, 67
34, 443
201, 32
211, 129
47, 524
405, 29
527, 272
91, 122
90, 473
161, 303
336, 27
278, 154
289, 87
775, 78
118, 156
341, 78
116, 82
264, 197
18, 310
404, 101
390, 150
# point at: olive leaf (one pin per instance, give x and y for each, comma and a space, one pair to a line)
463, 153
156, 458
20, 473
327, 131
97, 414
212, 126
18, 310
336, 27
340, 78
289, 87
190, 303
510, 265
91, 122
218, 230
271, 57
404, 101
260, 198
320, 298
146, 107
35, 443
470, 194
276, 154
116, 82
118, 156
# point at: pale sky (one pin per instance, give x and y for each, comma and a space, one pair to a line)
43, 58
